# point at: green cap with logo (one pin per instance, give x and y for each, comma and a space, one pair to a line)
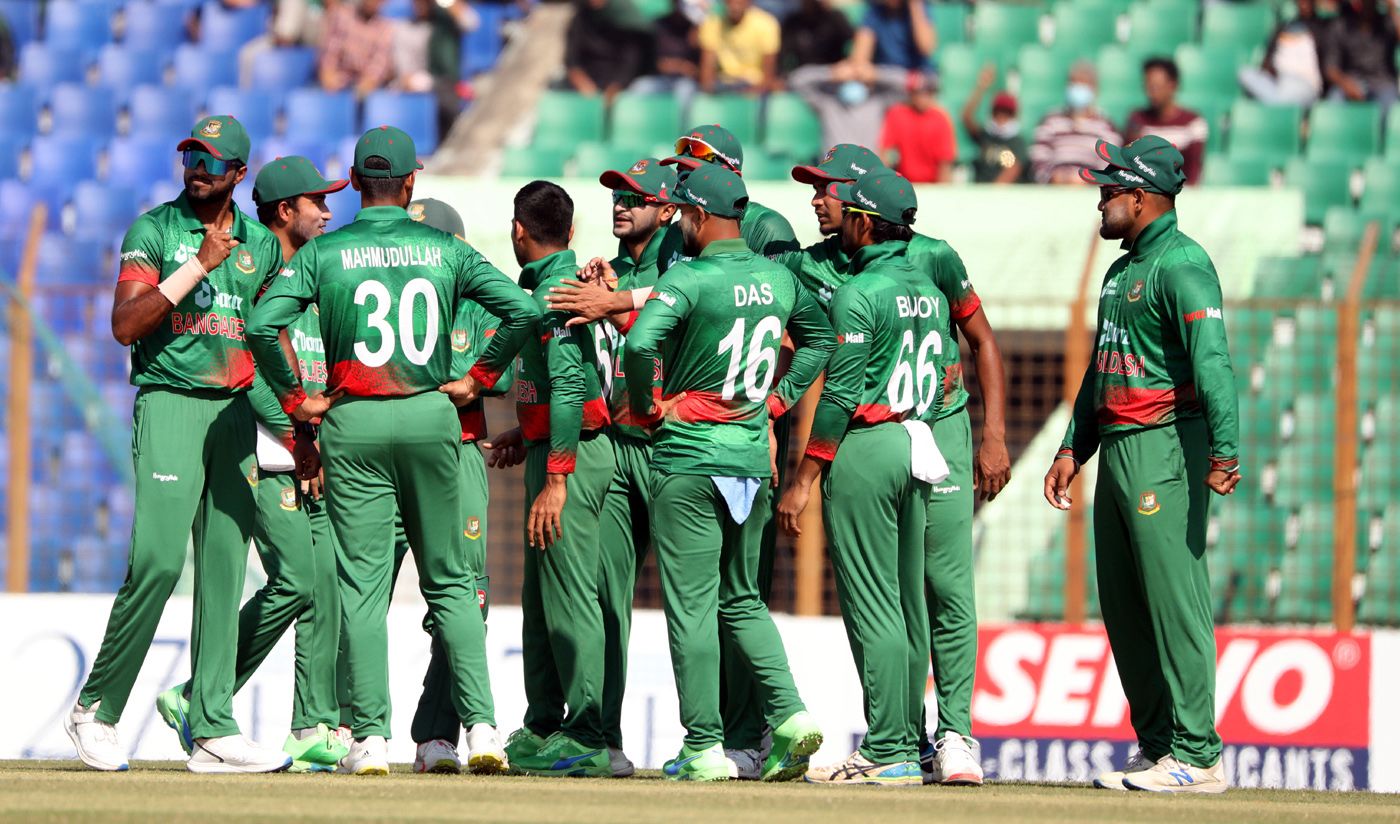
433, 212
221, 135
1150, 162
394, 145
843, 162
714, 189
291, 176
881, 193
712, 144
647, 177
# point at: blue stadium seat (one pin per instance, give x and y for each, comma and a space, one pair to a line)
161, 110
138, 161
254, 109
397, 9
64, 312
69, 261
344, 205
414, 113
103, 211
327, 115
43, 67
281, 69
152, 27
123, 68
83, 110
62, 159
11, 145
481, 48
22, 18
16, 202
312, 148
226, 28
19, 110
180, 6
163, 191
83, 25
198, 68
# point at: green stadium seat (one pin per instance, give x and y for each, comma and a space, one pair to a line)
1392, 134
1324, 184
760, 165
533, 162
566, 119
1378, 353
1246, 24
1265, 131
1288, 277
1305, 592
1379, 483
1382, 180
653, 9
592, 159
1006, 25
791, 129
1232, 170
949, 20
1117, 105
1120, 71
1381, 602
1342, 228
1043, 71
1083, 27
640, 121
1384, 280
736, 112
1208, 72
1344, 131
1158, 27
1290, 371
1214, 106
958, 67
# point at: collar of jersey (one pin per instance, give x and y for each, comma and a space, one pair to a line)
868, 256
190, 222
558, 264
1152, 236
382, 213
725, 247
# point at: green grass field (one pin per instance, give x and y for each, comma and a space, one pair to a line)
65, 791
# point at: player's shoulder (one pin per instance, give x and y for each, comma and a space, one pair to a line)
154, 220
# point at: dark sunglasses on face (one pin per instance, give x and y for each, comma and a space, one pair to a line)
194, 158
631, 200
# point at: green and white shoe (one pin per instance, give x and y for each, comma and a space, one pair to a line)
562, 756
794, 741
316, 753
174, 709
708, 764
523, 743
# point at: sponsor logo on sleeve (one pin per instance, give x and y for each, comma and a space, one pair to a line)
664, 297
1202, 314
135, 254
851, 337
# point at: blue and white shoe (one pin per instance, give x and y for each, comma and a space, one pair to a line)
857, 769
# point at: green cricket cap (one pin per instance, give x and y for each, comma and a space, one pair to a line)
433, 212
1150, 162
713, 189
843, 162
290, 176
394, 145
221, 135
882, 193
712, 144
646, 177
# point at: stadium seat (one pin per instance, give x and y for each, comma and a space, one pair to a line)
19, 110
1324, 185
530, 161
1158, 27
735, 112
1265, 131
152, 27
138, 161
1235, 170
1343, 226
103, 211
1382, 192
1043, 70
1244, 24
254, 109
58, 157
1120, 70
315, 149
1007, 25
1348, 132
328, 116
949, 20
83, 110
1083, 27
11, 146
123, 68
282, 69
791, 129
958, 67
592, 159
81, 25
44, 67
481, 47
1392, 134
198, 68
69, 261
1209, 71
224, 28
565, 119
156, 111
760, 165
414, 113
640, 121
22, 19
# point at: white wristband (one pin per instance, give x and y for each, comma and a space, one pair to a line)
639, 298
183, 281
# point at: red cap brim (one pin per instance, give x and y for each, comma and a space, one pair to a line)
615, 180
812, 174
336, 185
681, 160
194, 142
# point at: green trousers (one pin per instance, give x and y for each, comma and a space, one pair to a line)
195, 471
874, 512
952, 607
624, 533
562, 636
388, 457
708, 566
1150, 514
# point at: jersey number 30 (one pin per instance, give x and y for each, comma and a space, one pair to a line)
761, 355
378, 321
905, 391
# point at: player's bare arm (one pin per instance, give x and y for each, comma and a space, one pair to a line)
798, 493
138, 308
991, 467
545, 525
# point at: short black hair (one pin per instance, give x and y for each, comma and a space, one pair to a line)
267, 212
546, 211
380, 188
1166, 64
882, 230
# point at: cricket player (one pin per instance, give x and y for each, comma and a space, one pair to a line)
300, 564
568, 468
717, 323
872, 446
190, 271
1158, 403
388, 289
825, 266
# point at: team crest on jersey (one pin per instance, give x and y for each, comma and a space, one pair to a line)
212, 128
638, 167
252, 476
289, 499
244, 261
459, 340
415, 212
1147, 504
1135, 293
473, 530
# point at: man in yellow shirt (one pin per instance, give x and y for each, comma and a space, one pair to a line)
739, 50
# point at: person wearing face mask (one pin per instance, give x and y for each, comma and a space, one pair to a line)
850, 98
1065, 139
917, 139
1001, 150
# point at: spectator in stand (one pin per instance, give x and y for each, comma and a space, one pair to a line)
677, 43
815, 35
894, 33
1001, 150
917, 139
294, 23
1292, 71
850, 98
1183, 128
8, 59
1065, 139
428, 53
602, 50
357, 50
739, 50
1358, 58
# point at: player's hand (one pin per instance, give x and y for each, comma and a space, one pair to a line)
586, 300
790, 507
217, 246
601, 271
316, 406
991, 471
315, 488
507, 450
544, 527
663, 409
462, 391
1057, 481
1223, 482
306, 458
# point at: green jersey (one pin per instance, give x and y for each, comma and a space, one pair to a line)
765, 231
717, 323
891, 326
558, 392
1161, 353
823, 267
388, 290
471, 333
305, 335
202, 344
610, 343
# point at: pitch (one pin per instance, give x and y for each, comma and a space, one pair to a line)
66, 791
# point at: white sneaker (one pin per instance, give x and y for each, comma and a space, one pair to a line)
622, 766
857, 769
367, 757
955, 763
235, 754
344, 736
1114, 780
485, 755
96, 741
1172, 776
746, 764
437, 756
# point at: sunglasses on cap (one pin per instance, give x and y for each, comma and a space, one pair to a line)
194, 158
700, 150
847, 209
632, 200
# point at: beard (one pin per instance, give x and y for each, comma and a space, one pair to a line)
304, 229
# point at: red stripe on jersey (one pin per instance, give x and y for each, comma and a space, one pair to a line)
473, 420
964, 308
534, 418
238, 369
140, 272
709, 407
821, 449
560, 462
485, 375
776, 407
870, 414
369, 381
293, 399
629, 322
1136, 406
596, 414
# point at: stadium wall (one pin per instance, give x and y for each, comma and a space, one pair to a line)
1302, 709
